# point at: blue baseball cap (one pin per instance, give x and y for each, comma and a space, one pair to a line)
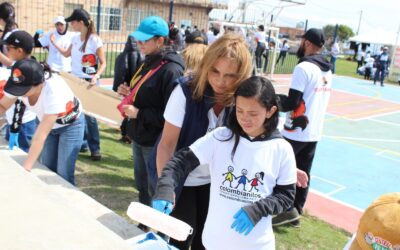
150, 27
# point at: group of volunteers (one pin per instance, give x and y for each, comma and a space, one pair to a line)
206, 143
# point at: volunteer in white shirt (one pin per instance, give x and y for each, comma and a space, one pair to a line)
58, 137
306, 106
252, 168
63, 38
88, 63
260, 37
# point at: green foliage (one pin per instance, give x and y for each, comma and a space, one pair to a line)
344, 31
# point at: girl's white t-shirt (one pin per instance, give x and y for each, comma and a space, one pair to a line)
55, 98
84, 64
261, 36
257, 167
175, 113
55, 59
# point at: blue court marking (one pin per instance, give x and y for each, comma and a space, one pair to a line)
364, 173
366, 88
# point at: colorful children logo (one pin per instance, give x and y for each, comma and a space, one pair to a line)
243, 180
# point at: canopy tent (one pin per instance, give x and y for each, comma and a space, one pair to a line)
376, 37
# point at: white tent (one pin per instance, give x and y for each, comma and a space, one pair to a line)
376, 37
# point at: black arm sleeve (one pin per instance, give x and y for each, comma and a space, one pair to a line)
290, 102
178, 168
279, 201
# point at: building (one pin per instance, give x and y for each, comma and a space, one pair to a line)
291, 33
118, 18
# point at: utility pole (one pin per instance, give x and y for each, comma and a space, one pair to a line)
359, 22
306, 25
171, 10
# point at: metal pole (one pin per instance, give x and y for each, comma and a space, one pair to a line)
98, 16
359, 22
336, 32
171, 9
305, 26
395, 47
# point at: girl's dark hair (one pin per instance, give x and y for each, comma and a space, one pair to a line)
261, 27
91, 30
7, 13
261, 89
46, 69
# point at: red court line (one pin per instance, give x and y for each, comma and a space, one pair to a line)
353, 106
333, 212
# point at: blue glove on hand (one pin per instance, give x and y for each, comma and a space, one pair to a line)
163, 206
242, 222
13, 140
39, 31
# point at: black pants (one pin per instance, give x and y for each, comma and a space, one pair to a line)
259, 51
282, 55
304, 153
192, 208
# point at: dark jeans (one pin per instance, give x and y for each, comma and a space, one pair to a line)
26, 132
380, 75
192, 208
259, 51
91, 137
333, 62
141, 157
282, 55
266, 56
304, 153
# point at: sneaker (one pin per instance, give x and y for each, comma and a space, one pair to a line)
96, 156
295, 223
285, 218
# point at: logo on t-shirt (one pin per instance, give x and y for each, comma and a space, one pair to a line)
296, 118
89, 64
241, 188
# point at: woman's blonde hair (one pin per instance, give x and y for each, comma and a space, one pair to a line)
231, 46
193, 54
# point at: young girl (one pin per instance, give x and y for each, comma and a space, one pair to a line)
198, 105
86, 51
250, 144
58, 137
7, 21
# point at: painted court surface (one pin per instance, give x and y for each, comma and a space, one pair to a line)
358, 158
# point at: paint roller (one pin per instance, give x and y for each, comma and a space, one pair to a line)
158, 221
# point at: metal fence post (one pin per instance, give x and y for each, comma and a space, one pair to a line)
98, 16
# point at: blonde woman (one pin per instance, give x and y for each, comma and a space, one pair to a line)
198, 105
194, 51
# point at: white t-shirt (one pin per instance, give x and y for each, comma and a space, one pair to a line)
360, 55
28, 115
369, 62
55, 59
316, 87
55, 98
256, 169
175, 113
335, 50
261, 36
285, 47
84, 64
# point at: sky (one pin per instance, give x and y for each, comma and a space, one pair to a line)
376, 14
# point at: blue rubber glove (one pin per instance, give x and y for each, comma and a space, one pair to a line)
39, 31
13, 140
163, 206
242, 222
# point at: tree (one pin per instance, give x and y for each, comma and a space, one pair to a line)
344, 32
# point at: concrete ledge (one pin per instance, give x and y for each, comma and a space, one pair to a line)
40, 210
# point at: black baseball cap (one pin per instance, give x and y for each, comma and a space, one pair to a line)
20, 39
79, 15
315, 36
25, 74
194, 37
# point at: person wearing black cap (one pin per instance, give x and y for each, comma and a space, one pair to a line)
22, 121
86, 52
58, 137
194, 51
306, 106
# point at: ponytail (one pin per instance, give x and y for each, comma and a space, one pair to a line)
46, 69
91, 30
7, 13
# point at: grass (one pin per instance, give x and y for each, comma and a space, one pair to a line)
110, 182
